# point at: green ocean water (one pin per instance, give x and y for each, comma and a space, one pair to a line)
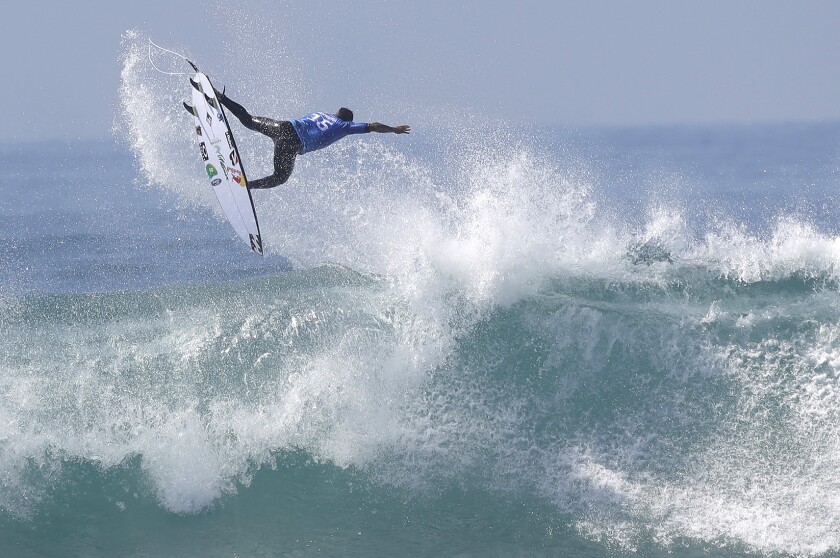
299, 413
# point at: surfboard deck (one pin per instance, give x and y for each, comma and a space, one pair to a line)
221, 162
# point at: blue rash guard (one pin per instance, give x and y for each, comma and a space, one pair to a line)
319, 129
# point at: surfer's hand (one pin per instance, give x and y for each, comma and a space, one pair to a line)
402, 129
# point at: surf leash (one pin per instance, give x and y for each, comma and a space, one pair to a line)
152, 62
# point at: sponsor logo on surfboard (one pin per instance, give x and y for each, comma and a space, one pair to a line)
234, 157
216, 182
256, 242
211, 170
209, 119
221, 159
229, 139
198, 130
203, 149
236, 175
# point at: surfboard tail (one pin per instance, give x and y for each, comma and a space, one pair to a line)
212, 101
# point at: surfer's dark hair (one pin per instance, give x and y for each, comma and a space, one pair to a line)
345, 114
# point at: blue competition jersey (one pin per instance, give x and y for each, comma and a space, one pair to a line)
319, 129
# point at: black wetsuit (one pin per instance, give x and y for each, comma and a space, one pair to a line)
287, 143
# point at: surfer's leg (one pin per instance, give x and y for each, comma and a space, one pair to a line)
278, 130
261, 124
284, 164
284, 170
268, 182
263, 183
237, 110
272, 128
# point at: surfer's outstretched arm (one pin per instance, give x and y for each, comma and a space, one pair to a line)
385, 129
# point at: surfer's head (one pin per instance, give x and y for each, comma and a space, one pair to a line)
345, 114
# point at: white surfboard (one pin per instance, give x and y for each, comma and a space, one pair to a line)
221, 162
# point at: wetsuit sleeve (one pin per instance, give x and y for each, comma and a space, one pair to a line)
358, 128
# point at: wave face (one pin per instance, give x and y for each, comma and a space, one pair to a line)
594, 344
635, 412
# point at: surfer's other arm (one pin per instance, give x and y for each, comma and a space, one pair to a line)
385, 129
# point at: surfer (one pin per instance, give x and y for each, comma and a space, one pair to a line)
296, 137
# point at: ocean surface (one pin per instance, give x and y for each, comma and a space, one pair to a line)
611, 342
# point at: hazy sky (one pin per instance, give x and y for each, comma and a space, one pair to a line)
570, 63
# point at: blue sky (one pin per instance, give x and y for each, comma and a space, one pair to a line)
564, 63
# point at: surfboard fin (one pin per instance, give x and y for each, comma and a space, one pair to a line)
196, 85
211, 101
190, 109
